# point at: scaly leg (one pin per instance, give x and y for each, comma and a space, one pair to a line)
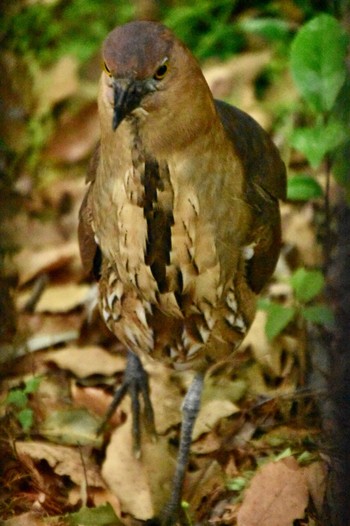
190, 409
135, 383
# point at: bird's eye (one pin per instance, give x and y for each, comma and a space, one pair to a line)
161, 71
107, 70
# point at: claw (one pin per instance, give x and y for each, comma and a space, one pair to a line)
136, 384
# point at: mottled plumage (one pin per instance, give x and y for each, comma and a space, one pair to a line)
181, 221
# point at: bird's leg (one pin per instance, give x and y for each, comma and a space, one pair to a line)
190, 409
136, 384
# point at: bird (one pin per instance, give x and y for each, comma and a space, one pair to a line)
180, 224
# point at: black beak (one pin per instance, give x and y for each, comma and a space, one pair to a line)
127, 97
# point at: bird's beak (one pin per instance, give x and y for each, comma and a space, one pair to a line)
127, 97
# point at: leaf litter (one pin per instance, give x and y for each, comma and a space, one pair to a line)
68, 344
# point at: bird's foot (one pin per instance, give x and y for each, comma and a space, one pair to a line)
173, 513
136, 384
170, 517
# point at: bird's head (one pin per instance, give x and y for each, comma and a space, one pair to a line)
148, 70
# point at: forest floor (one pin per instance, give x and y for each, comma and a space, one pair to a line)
255, 454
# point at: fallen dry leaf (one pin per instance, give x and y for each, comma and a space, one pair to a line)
56, 83
62, 298
87, 361
65, 461
31, 518
97, 401
166, 396
282, 359
48, 330
203, 483
299, 231
235, 79
98, 496
210, 414
142, 485
75, 136
73, 427
316, 476
206, 444
277, 495
267, 354
30, 263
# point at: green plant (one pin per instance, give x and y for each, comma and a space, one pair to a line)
102, 515
237, 483
303, 187
306, 286
47, 31
317, 62
18, 399
206, 27
319, 71
185, 507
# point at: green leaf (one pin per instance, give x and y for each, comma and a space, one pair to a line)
317, 141
284, 454
321, 314
318, 61
206, 27
303, 187
101, 516
267, 27
236, 484
278, 318
32, 384
341, 171
306, 458
26, 418
307, 284
341, 110
263, 303
17, 397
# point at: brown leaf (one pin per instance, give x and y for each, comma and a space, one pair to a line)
65, 461
206, 444
48, 330
316, 476
210, 414
56, 83
98, 496
142, 485
75, 136
62, 298
30, 263
96, 401
166, 396
86, 361
203, 483
238, 74
278, 495
299, 231
31, 518
32, 233
282, 358
235, 79
72, 426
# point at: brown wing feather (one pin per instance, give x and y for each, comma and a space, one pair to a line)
89, 250
265, 177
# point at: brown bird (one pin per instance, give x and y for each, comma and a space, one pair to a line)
180, 223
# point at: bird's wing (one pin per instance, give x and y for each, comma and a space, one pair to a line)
265, 179
89, 250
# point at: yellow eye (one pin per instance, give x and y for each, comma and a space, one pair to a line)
161, 71
107, 70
